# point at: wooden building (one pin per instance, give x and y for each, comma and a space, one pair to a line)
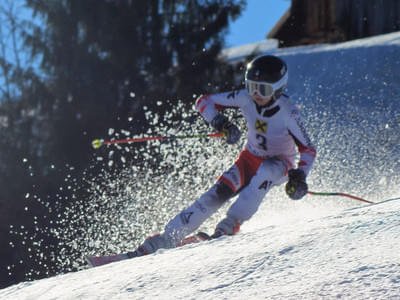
328, 21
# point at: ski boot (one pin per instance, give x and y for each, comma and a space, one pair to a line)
228, 226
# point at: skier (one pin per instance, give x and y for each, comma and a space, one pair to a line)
275, 128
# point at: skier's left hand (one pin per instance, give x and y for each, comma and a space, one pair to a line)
296, 188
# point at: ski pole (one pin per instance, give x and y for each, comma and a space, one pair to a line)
97, 143
339, 194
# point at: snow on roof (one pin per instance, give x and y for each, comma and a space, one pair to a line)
236, 54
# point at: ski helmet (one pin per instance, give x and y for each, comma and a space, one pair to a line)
266, 75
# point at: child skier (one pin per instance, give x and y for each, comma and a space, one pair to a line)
275, 127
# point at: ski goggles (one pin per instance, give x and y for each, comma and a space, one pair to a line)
265, 89
262, 88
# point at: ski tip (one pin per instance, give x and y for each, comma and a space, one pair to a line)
90, 261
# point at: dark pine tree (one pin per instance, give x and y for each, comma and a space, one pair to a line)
94, 55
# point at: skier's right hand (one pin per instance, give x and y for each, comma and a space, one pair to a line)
230, 130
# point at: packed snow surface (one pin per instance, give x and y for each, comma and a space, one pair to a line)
315, 248
306, 253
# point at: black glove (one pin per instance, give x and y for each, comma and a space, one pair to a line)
230, 130
296, 188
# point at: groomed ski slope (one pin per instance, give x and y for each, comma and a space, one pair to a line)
351, 254
316, 248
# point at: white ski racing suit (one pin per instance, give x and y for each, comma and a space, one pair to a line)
270, 151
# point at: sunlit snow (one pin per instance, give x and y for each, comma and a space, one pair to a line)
316, 248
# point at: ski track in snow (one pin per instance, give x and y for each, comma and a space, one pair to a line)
310, 249
350, 254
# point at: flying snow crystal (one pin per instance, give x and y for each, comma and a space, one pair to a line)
123, 208
382, 181
132, 94
125, 132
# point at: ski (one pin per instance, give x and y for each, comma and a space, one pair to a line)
95, 261
196, 238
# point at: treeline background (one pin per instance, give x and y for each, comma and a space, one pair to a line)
71, 71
